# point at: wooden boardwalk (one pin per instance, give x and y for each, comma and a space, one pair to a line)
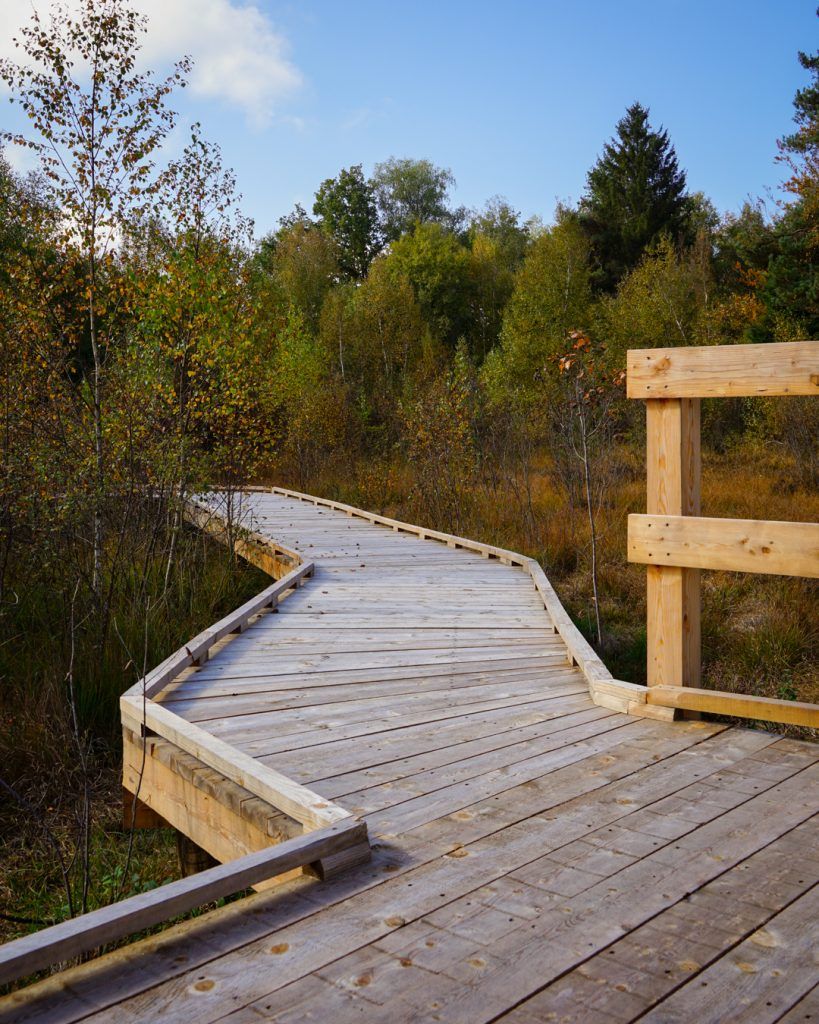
535, 856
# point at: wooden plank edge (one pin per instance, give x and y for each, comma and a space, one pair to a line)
82, 934
721, 702
209, 519
297, 801
196, 649
580, 651
628, 698
488, 550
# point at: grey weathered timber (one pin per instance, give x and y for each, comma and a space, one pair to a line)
537, 854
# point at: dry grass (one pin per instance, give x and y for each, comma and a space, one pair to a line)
39, 751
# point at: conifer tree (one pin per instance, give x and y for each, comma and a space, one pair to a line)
635, 192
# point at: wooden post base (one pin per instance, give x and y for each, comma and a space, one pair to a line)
192, 858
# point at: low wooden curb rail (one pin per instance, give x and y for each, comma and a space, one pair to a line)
141, 713
108, 924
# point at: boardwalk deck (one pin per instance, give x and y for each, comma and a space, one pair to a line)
536, 857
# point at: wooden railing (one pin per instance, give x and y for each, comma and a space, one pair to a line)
675, 542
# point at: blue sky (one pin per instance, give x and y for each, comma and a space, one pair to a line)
516, 97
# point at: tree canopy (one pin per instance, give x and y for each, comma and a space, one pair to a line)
346, 208
635, 191
410, 192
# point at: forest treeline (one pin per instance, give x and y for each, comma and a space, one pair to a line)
463, 367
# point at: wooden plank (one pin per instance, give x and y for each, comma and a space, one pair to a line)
425, 533
336, 759
579, 650
197, 649
526, 960
183, 952
658, 957
758, 981
296, 801
719, 702
83, 934
734, 545
216, 814
673, 594
783, 368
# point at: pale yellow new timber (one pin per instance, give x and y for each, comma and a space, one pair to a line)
720, 702
673, 594
297, 801
736, 545
783, 368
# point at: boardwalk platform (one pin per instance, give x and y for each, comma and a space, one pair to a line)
535, 856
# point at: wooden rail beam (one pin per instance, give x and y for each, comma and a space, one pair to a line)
721, 702
735, 545
197, 648
82, 934
782, 368
297, 801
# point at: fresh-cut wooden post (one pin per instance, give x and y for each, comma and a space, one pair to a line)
673, 594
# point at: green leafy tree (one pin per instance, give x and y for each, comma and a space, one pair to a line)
375, 334
347, 212
311, 404
410, 192
790, 288
552, 295
438, 267
197, 311
298, 266
491, 284
792, 284
662, 302
635, 192
95, 140
500, 222
441, 444
799, 151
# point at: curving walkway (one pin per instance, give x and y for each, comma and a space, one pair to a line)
535, 856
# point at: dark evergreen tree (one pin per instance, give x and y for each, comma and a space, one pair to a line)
792, 285
346, 207
635, 192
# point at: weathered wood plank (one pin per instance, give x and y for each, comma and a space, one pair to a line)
758, 981
189, 947
82, 934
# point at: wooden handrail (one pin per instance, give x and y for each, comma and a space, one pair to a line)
723, 371
141, 713
116, 921
736, 545
675, 542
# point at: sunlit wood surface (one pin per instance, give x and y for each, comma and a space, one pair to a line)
535, 857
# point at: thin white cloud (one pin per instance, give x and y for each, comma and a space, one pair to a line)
239, 57
21, 159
